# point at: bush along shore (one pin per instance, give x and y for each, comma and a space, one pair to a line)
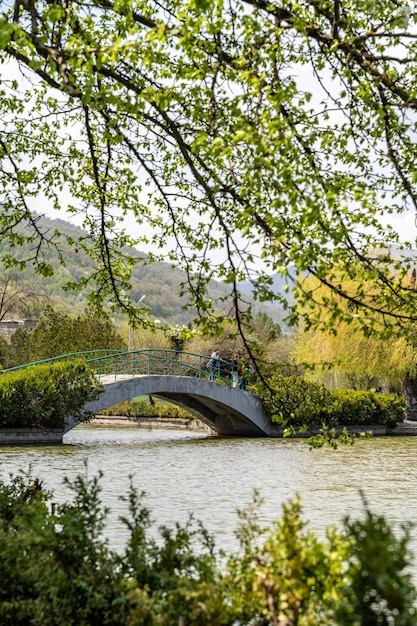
147, 407
148, 412
42, 396
301, 408
151, 422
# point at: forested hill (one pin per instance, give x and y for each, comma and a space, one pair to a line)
160, 282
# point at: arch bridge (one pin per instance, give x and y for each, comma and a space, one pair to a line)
180, 378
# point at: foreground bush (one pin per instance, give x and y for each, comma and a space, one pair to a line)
294, 402
42, 396
58, 571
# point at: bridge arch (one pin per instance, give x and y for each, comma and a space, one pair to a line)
226, 410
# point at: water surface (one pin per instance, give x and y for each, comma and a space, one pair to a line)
185, 472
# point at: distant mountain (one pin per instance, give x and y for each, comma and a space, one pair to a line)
283, 285
278, 286
159, 282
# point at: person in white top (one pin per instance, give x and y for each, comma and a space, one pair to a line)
215, 360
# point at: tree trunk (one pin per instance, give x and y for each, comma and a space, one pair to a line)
409, 391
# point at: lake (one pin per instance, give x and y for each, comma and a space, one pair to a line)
184, 472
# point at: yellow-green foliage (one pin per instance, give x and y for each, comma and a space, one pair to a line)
42, 396
352, 353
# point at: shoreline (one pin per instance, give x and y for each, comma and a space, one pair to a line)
407, 428
150, 422
54, 436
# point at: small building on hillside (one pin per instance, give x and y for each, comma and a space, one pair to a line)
8, 327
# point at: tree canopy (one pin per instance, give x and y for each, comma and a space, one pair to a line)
244, 138
57, 333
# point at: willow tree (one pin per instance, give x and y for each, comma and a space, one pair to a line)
351, 358
341, 349
244, 137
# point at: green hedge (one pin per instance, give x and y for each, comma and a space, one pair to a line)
367, 407
293, 401
42, 396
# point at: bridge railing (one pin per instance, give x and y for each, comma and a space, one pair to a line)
88, 355
158, 362
143, 362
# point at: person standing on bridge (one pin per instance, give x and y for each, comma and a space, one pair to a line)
234, 371
214, 363
245, 369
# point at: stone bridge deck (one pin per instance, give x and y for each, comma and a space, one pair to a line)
225, 410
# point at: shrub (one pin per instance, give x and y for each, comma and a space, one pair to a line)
367, 407
55, 570
293, 401
42, 396
296, 402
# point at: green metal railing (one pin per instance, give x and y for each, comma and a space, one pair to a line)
143, 362
88, 355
